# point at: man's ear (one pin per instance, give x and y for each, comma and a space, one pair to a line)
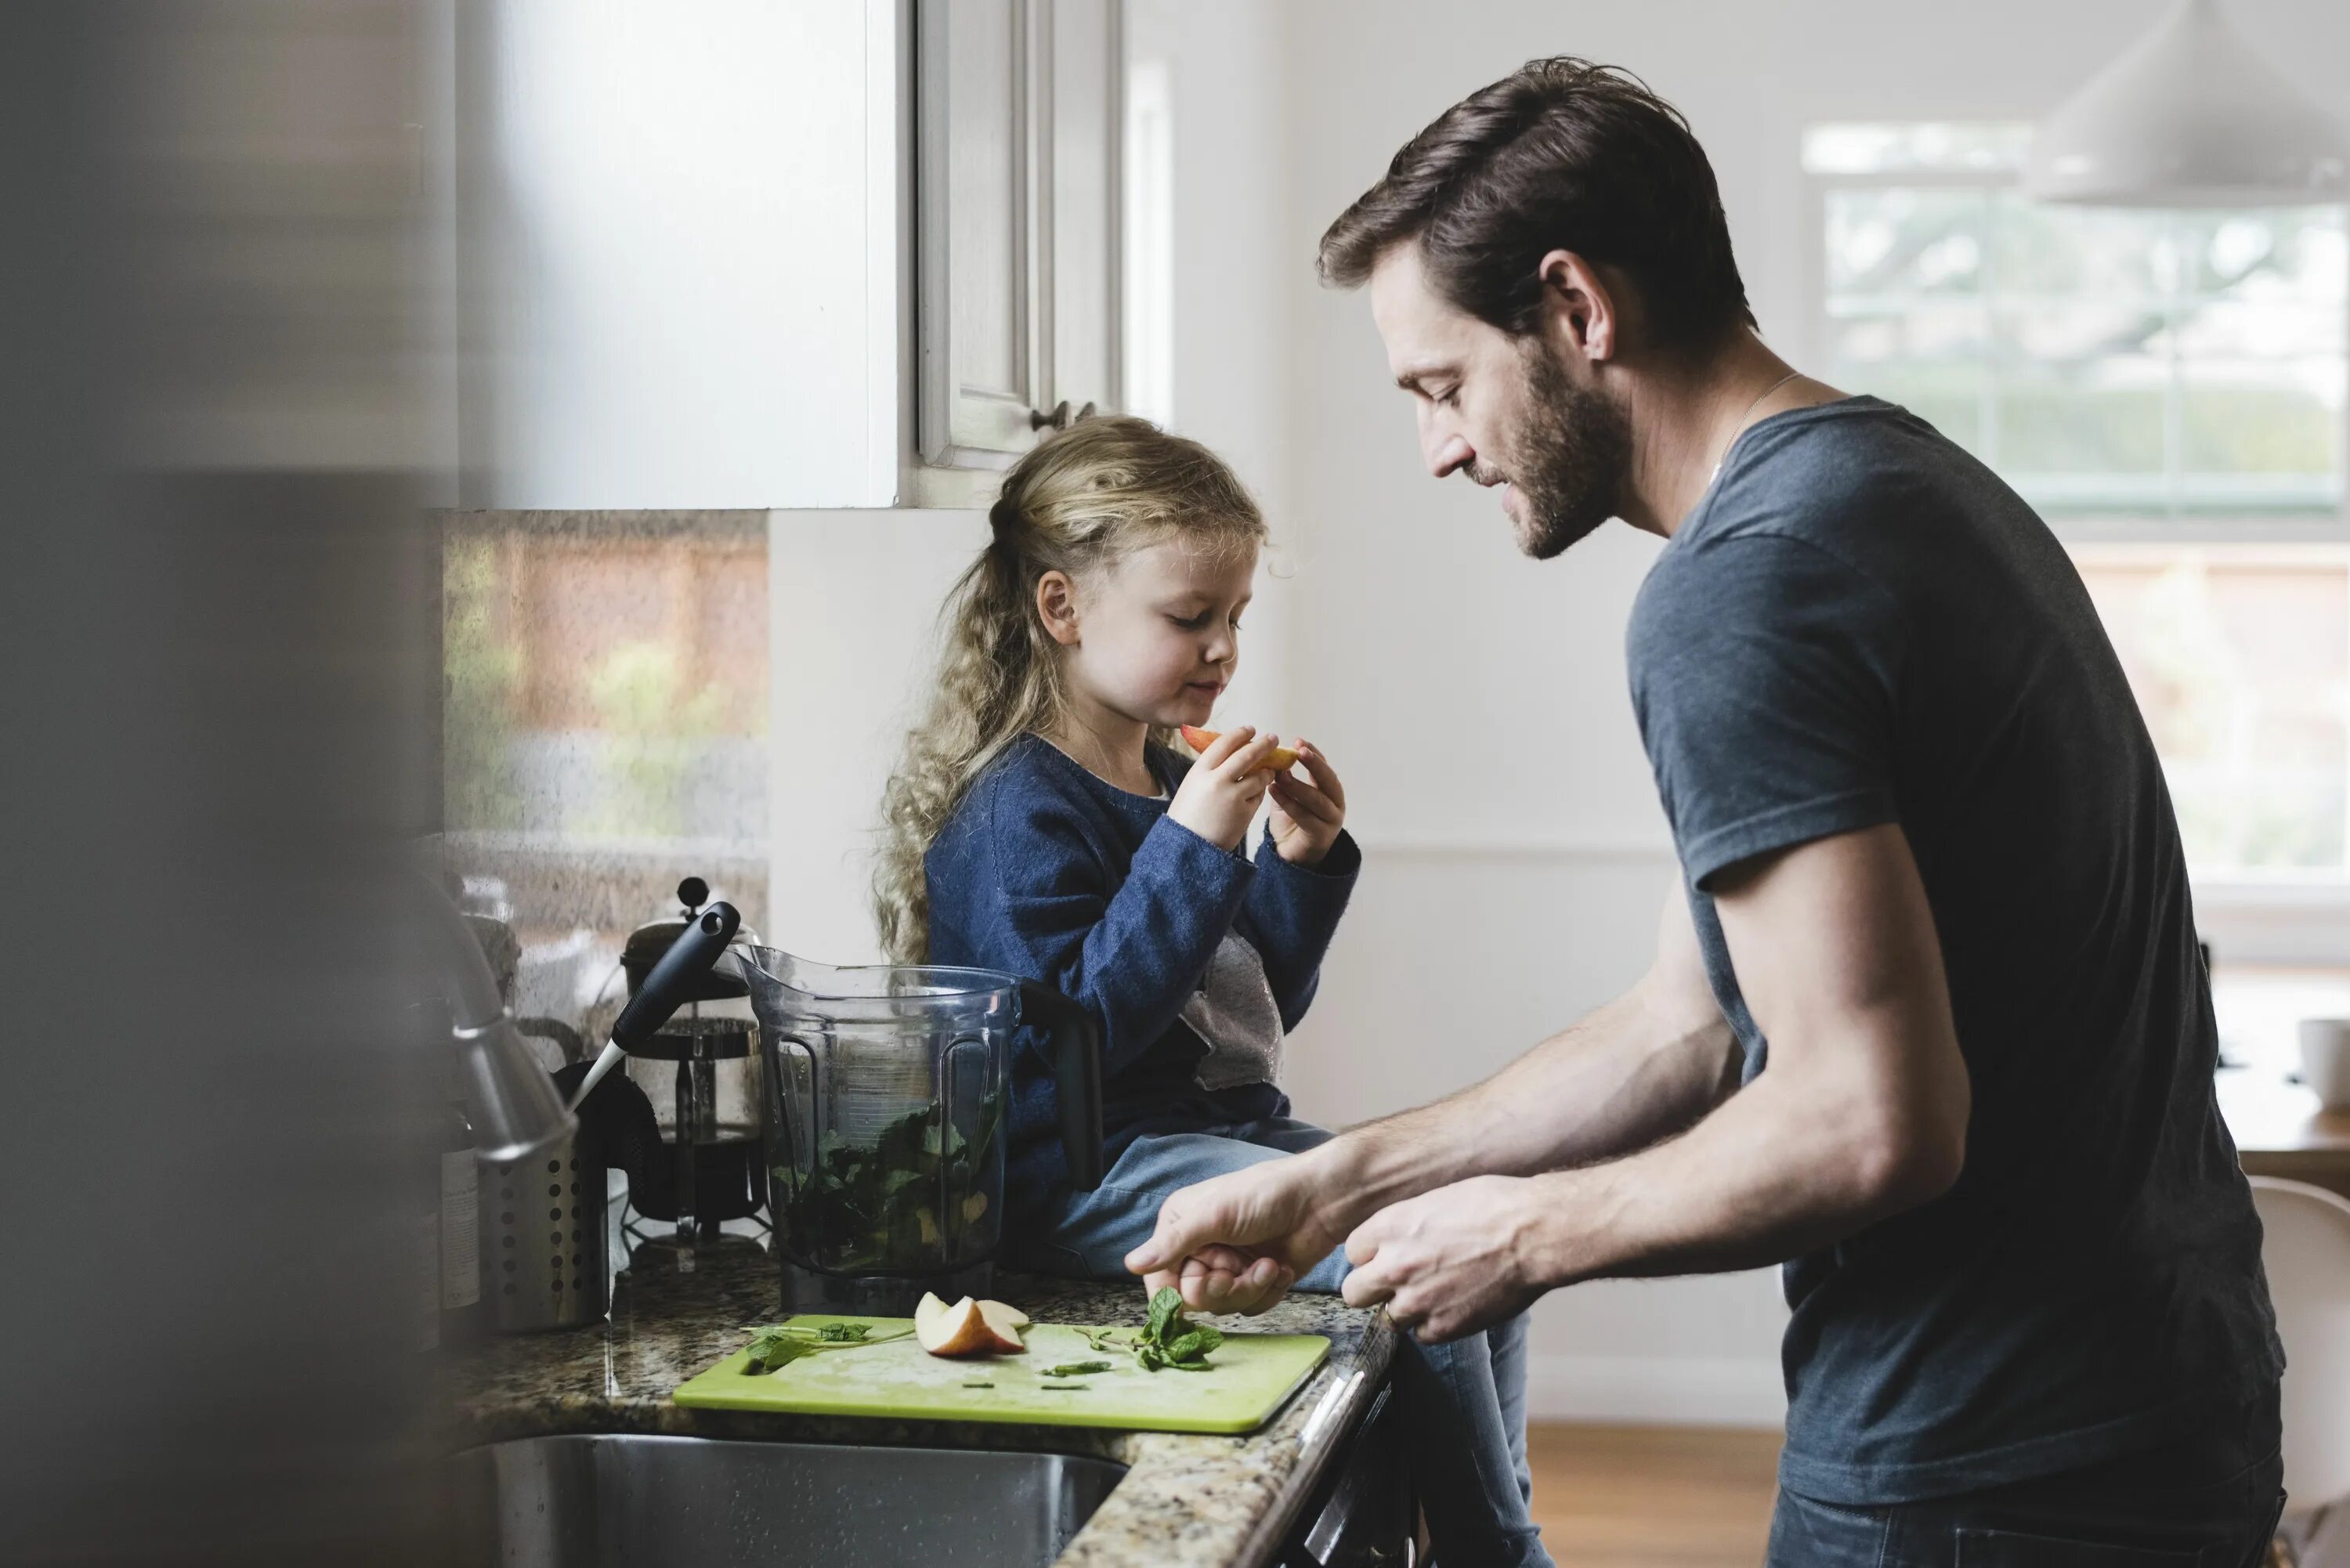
1057, 607
1580, 309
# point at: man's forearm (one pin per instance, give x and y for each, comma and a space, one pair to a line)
1617, 1081
1863, 1113
1784, 1166
1864, 1107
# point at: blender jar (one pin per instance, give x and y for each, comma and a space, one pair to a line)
887, 1093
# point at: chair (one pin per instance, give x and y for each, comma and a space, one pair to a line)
2307, 1254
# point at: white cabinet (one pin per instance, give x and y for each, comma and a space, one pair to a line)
676, 231
1017, 106
1088, 70
737, 254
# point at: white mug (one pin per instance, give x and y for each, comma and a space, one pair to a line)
2325, 1060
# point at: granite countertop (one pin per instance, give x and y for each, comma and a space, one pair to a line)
1187, 1501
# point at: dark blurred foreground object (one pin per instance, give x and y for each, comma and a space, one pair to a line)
218, 602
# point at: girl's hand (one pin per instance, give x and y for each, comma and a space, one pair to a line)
1219, 795
1306, 817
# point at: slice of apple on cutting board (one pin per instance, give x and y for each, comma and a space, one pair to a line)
1279, 760
953, 1330
1005, 1322
969, 1328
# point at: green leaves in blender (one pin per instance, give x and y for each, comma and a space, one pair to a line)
888, 1204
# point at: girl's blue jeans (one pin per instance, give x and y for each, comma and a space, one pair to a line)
1464, 1404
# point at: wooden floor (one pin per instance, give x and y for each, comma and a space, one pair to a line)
1653, 1497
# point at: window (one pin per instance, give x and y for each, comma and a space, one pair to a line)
2240, 656
2168, 389
2107, 362
605, 729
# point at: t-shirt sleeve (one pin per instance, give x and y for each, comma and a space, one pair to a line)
1764, 675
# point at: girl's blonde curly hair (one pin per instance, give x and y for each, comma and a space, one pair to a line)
1078, 502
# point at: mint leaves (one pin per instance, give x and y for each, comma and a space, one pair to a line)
1169, 1340
1172, 1340
772, 1349
1075, 1369
1166, 1311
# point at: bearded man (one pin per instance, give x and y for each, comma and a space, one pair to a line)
1927, 1023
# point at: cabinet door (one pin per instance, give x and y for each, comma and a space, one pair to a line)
1088, 110
981, 199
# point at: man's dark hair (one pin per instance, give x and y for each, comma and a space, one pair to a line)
1560, 154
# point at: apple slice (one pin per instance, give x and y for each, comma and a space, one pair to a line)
953, 1330
1005, 1322
1280, 760
937, 1324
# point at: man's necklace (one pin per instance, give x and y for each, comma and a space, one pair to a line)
1740, 428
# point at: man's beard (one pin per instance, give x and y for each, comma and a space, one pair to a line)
1570, 466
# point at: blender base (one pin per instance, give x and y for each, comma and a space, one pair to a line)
878, 1295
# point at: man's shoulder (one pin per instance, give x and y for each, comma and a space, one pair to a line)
1758, 567
1840, 475
1814, 473
1758, 573
1824, 499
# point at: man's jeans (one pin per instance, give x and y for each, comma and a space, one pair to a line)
2123, 1513
1464, 1404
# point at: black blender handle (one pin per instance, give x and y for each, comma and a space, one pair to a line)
1077, 1077
689, 957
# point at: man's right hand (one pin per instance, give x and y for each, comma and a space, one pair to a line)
1236, 1243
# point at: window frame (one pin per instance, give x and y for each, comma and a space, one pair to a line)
2281, 917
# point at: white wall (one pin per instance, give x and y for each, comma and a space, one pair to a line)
678, 262
1515, 856
852, 605
1232, 289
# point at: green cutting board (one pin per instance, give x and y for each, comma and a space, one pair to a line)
1249, 1376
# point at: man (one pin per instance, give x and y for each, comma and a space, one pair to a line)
1927, 1021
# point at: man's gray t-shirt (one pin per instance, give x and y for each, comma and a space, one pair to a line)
1860, 624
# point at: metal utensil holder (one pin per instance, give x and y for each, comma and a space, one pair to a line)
543, 1243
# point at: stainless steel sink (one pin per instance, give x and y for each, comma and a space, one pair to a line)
696, 1502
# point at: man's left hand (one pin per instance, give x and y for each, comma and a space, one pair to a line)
1452, 1261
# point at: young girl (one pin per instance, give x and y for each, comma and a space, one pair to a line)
1041, 824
